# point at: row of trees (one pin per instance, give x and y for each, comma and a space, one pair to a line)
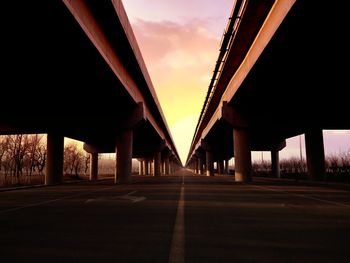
337, 166
22, 153
76, 161
23, 156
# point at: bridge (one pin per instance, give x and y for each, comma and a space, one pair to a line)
74, 69
278, 75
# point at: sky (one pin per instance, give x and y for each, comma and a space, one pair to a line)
179, 41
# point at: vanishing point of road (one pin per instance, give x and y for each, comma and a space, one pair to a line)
180, 218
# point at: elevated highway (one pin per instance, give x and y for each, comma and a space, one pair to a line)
280, 73
74, 69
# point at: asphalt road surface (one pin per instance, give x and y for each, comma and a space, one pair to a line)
180, 218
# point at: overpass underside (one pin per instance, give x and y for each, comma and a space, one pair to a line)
73, 68
282, 76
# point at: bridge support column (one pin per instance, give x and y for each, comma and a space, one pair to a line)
162, 166
151, 167
226, 168
93, 166
124, 157
243, 161
275, 164
220, 165
210, 163
146, 166
167, 165
157, 162
171, 166
54, 162
141, 167
315, 155
200, 165
196, 165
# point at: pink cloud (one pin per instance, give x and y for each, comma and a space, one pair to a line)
158, 39
178, 11
180, 59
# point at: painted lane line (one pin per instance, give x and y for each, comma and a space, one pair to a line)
128, 196
177, 248
305, 196
53, 200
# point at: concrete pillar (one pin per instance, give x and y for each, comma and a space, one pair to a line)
162, 166
124, 157
315, 155
93, 166
54, 161
146, 165
167, 165
171, 166
141, 167
226, 167
151, 167
275, 164
157, 161
200, 165
243, 161
210, 163
196, 166
220, 165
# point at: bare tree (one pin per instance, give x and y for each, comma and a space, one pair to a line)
41, 158
20, 153
4, 145
86, 162
73, 159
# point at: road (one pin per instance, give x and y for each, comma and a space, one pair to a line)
180, 218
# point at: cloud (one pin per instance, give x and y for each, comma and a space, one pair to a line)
179, 57
166, 39
215, 13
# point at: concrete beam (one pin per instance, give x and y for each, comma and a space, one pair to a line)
135, 118
232, 117
96, 33
278, 12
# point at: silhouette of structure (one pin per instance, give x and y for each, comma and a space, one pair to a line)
279, 74
80, 74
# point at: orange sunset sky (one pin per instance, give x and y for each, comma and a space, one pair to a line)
180, 41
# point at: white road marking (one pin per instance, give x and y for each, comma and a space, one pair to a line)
305, 196
177, 249
52, 201
127, 196
134, 199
